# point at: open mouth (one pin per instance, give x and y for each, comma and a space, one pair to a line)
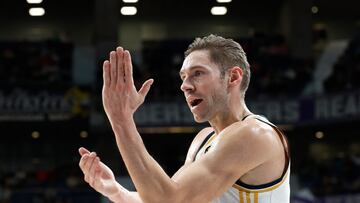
195, 102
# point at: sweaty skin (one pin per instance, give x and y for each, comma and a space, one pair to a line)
249, 149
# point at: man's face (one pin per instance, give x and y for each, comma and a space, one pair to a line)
205, 91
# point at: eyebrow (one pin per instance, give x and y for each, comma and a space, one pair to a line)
191, 69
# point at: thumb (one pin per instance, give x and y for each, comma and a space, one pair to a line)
146, 87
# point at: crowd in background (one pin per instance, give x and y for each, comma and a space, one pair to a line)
346, 71
63, 184
31, 63
275, 71
334, 176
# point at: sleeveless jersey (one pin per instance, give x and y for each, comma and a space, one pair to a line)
277, 191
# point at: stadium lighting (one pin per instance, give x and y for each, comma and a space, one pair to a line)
128, 10
223, 1
36, 11
34, 1
35, 135
130, 1
84, 134
218, 10
314, 9
319, 135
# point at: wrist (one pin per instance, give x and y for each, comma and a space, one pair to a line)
118, 194
123, 124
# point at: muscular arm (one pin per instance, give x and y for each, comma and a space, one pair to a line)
216, 171
133, 197
239, 150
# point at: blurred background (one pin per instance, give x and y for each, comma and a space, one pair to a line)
305, 63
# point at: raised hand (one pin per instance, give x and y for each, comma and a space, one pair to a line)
97, 174
120, 97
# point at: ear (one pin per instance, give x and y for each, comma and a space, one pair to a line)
235, 76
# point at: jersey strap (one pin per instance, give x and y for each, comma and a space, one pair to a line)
203, 143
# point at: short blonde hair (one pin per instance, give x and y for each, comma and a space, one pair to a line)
225, 52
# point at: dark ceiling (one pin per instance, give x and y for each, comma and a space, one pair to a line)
174, 9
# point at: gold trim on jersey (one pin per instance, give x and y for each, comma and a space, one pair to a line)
241, 196
273, 187
247, 197
208, 143
256, 197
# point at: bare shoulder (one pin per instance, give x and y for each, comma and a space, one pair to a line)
256, 142
250, 129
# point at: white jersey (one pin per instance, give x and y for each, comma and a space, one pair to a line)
277, 191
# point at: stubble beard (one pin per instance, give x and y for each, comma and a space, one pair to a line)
216, 104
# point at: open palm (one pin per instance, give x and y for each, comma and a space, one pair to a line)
120, 97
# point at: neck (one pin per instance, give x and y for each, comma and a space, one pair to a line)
234, 113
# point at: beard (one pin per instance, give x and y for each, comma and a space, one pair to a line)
216, 103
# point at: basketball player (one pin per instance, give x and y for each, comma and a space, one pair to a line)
242, 157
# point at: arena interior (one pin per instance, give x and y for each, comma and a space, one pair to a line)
305, 63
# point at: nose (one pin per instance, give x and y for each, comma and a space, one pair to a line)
187, 86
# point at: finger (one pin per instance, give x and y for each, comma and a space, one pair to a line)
145, 87
83, 151
94, 166
113, 69
128, 69
83, 162
120, 64
106, 73
87, 166
94, 170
